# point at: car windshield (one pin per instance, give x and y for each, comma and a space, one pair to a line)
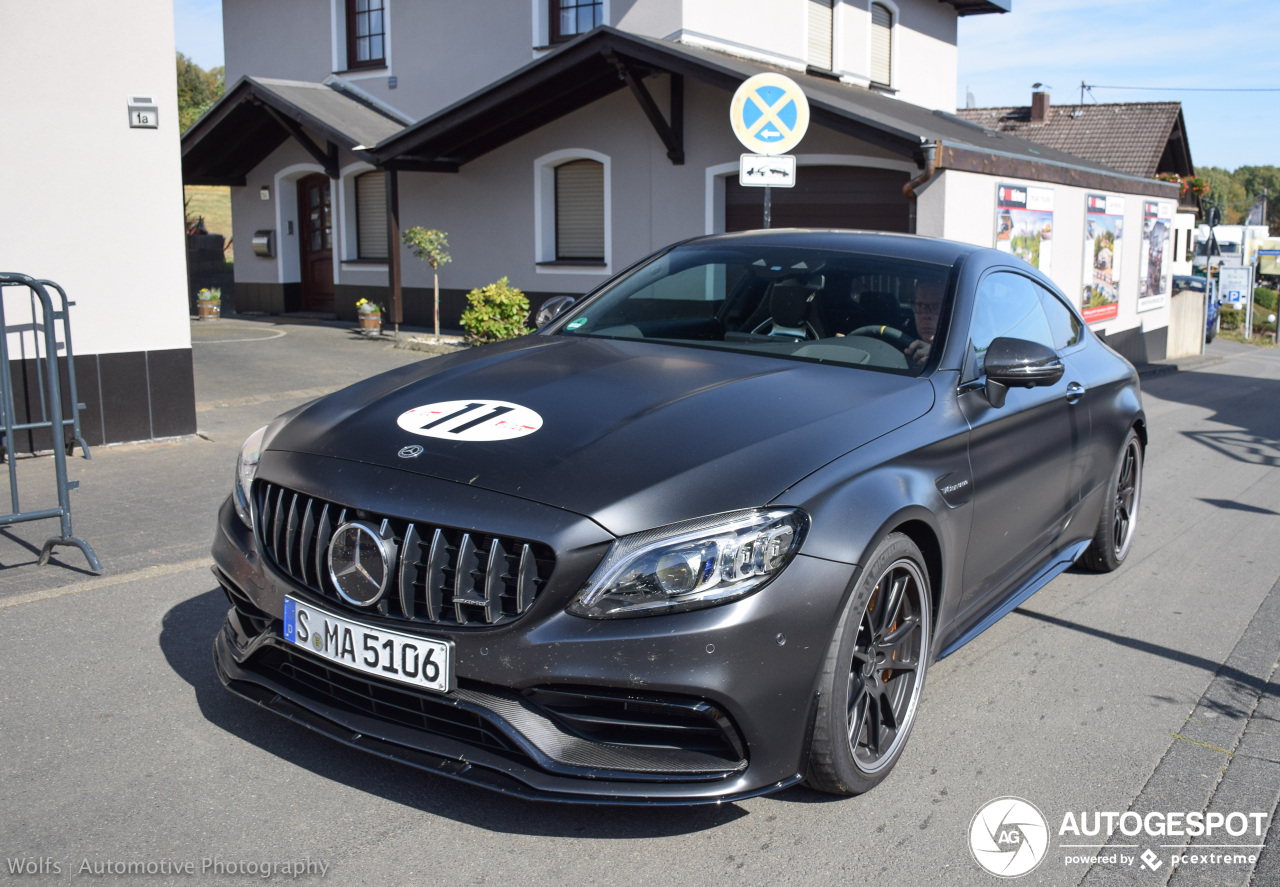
806, 304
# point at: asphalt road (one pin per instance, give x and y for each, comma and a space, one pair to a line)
1146, 689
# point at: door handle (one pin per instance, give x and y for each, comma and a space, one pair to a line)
1075, 391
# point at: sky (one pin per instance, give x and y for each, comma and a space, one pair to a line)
1152, 43
1175, 43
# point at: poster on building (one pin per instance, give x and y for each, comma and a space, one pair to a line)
1024, 223
1103, 236
1155, 263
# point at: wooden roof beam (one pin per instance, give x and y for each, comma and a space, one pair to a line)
672, 134
327, 158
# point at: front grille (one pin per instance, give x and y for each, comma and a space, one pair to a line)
442, 575
350, 692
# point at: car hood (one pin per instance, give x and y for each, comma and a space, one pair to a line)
634, 434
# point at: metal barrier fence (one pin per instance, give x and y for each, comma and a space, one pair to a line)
51, 414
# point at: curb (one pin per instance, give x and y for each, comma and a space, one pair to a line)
1222, 759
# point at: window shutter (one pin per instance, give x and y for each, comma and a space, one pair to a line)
580, 210
881, 43
820, 28
371, 215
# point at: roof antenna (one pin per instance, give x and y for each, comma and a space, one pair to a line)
1079, 111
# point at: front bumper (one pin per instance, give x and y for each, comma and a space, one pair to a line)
742, 676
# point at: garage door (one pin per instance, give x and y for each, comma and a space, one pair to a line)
824, 197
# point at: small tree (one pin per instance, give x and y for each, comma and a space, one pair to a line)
429, 246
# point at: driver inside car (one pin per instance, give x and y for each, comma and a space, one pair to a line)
926, 307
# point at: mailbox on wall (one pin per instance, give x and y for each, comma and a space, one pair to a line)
264, 243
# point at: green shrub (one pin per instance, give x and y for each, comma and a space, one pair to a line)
495, 312
1231, 318
1264, 298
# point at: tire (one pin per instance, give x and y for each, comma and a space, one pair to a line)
865, 713
1119, 519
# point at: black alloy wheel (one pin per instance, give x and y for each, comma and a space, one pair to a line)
874, 672
1119, 519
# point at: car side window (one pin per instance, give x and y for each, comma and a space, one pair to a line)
1007, 305
1063, 323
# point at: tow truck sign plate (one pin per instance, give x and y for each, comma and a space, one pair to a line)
764, 171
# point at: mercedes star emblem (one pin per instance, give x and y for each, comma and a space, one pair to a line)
359, 563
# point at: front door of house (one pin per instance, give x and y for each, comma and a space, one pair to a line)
315, 243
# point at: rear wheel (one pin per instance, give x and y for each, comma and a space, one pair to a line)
1119, 519
874, 672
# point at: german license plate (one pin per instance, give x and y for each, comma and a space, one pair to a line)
390, 655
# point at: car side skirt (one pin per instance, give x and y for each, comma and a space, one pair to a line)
1037, 581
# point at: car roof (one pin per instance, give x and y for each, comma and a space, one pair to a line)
879, 243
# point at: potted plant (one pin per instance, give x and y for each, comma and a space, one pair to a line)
209, 303
370, 315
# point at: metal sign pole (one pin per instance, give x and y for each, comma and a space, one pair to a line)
1248, 312
768, 204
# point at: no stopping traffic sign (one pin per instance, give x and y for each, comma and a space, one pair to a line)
769, 114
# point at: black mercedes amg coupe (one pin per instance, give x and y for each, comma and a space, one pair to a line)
697, 538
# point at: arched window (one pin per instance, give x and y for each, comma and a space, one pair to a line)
881, 44
580, 211
820, 32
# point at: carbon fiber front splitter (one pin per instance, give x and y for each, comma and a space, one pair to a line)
459, 761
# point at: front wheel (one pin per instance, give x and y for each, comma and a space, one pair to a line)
874, 672
1119, 519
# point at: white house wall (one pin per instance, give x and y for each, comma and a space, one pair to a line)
659, 19
437, 53
288, 39
440, 52
962, 206
96, 206
926, 57
488, 208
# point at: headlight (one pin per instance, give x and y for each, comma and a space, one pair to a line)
246, 471
690, 565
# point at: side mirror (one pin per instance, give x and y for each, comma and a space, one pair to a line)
1017, 363
553, 308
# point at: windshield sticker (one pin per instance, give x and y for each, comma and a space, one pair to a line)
471, 420
574, 324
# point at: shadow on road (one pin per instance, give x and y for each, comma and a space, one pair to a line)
1245, 403
1237, 506
201, 617
1240, 678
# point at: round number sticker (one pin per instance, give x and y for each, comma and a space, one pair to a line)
471, 420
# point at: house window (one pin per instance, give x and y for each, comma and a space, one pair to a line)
820, 31
366, 34
371, 215
569, 18
881, 44
579, 188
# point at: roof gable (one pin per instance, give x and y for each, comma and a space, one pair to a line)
258, 114
1138, 138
